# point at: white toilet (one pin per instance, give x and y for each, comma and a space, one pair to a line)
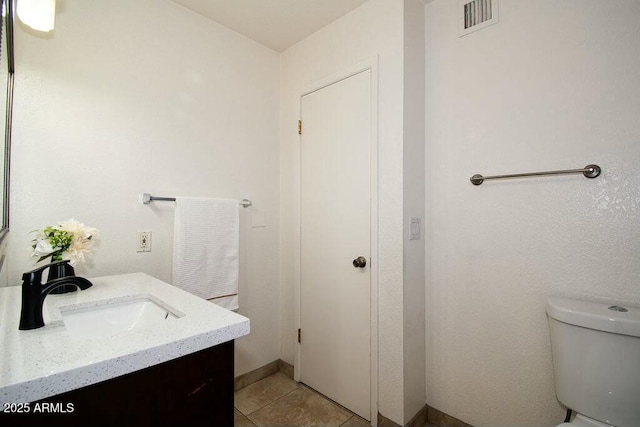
596, 361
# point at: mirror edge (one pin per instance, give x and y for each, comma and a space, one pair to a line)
4, 227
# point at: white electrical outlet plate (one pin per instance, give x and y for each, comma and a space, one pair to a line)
144, 241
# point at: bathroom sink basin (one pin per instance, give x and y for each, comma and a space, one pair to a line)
115, 317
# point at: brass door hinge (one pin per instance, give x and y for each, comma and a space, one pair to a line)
299, 127
299, 336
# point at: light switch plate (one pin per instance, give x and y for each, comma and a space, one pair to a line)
416, 231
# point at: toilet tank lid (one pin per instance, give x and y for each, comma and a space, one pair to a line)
599, 316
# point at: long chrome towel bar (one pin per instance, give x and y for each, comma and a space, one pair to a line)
148, 198
589, 171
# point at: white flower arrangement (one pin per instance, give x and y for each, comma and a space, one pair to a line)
69, 240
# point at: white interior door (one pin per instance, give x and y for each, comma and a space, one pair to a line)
335, 295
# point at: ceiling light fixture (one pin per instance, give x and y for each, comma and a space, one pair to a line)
37, 14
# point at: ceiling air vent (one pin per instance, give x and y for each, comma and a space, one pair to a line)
477, 14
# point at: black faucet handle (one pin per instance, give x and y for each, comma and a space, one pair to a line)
35, 276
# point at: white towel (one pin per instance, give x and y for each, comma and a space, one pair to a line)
206, 247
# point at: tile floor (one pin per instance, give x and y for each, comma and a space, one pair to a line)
279, 401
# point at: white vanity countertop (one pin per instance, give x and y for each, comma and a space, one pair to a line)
48, 361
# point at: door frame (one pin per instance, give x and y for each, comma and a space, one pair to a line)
371, 65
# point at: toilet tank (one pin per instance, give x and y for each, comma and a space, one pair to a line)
596, 359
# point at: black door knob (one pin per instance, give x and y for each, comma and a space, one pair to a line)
360, 262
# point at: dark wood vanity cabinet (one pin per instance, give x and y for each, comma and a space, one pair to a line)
193, 390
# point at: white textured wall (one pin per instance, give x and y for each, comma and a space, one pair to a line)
414, 206
554, 85
128, 97
376, 28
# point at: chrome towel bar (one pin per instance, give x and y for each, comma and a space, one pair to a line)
589, 171
148, 198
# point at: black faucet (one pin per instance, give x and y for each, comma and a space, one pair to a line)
34, 293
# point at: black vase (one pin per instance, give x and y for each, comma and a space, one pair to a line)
58, 271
